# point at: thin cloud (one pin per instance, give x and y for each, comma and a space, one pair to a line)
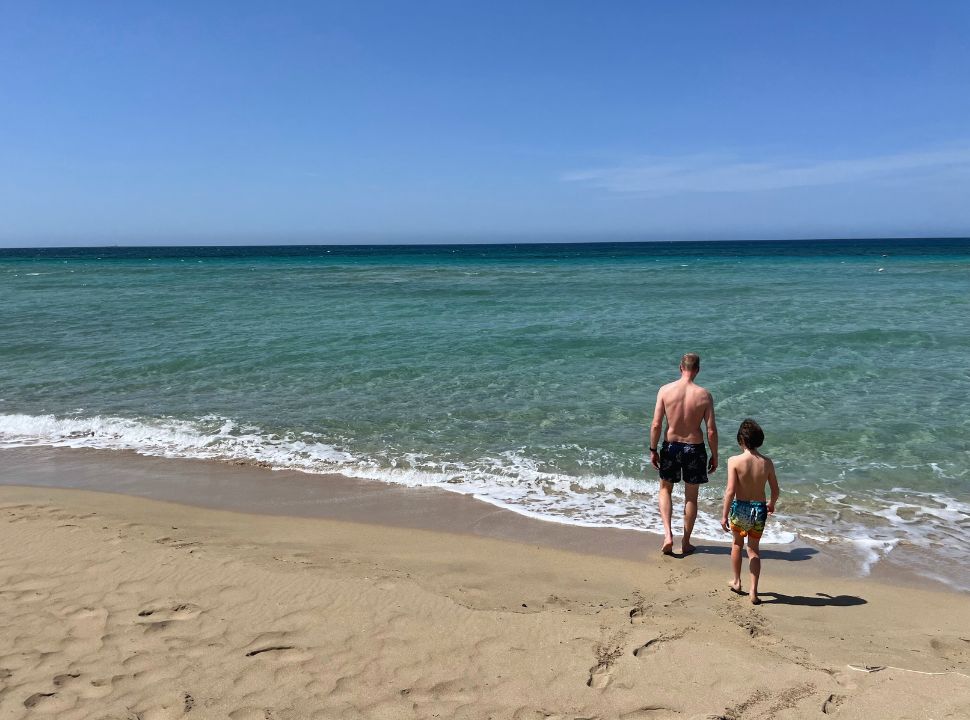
657, 176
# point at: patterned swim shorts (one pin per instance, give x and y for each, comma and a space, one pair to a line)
748, 517
683, 461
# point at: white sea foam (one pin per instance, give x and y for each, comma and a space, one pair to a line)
873, 524
510, 480
211, 438
872, 550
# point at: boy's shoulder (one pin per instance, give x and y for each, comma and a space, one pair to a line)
769, 465
735, 459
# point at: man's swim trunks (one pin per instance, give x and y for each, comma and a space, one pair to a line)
748, 517
683, 461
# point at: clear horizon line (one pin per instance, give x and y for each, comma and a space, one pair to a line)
117, 246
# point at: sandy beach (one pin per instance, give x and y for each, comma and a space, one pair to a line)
352, 356
126, 607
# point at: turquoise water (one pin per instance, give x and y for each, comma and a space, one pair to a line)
522, 374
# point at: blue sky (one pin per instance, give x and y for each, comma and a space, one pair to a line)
137, 122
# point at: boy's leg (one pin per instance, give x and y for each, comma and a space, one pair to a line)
736, 561
754, 565
666, 511
690, 515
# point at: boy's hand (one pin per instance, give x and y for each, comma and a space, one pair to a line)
771, 508
712, 464
724, 524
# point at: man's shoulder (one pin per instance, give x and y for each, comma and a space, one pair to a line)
702, 392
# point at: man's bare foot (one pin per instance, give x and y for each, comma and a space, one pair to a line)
754, 599
736, 587
668, 547
687, 548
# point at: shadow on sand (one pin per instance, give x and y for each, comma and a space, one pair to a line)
820, 600
793, 555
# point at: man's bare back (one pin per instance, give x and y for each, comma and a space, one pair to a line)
685, 404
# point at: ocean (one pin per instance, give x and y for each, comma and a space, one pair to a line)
524, 375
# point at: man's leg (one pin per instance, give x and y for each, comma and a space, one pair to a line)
690, 515
666, 511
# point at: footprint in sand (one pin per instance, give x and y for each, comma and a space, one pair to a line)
600, 676
525, 713
831, 704
158, 618
165, 613
252, 713
649, 644
951, 649
48, 702
666, 637
750, 621
37, 699
649, 712
175, 542
607, 653
80, 685
64, 679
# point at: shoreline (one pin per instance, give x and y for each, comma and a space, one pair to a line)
122, 606
251, 489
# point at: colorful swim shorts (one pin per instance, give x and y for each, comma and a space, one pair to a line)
748, 517
683, 461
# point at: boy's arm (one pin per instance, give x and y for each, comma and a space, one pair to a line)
732, 481
773, 484
655, 427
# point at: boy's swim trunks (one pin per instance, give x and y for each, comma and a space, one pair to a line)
683, 461
747, 517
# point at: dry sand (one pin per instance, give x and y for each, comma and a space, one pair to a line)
122, 607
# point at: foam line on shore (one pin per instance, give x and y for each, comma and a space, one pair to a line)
874, 525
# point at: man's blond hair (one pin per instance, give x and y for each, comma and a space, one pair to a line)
691, 362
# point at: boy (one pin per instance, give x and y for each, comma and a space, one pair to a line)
745, 508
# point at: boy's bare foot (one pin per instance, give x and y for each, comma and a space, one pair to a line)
736, 587
755, 600
668, 547
687, 548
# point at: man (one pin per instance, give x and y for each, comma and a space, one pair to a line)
683, 455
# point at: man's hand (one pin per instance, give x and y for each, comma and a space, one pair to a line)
712, 463
724, 524
655, 459
771, 508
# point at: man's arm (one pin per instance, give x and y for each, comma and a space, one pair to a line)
711, 433
732, 481
655, 427
773, 484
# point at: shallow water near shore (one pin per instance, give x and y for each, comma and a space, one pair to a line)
523, 375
